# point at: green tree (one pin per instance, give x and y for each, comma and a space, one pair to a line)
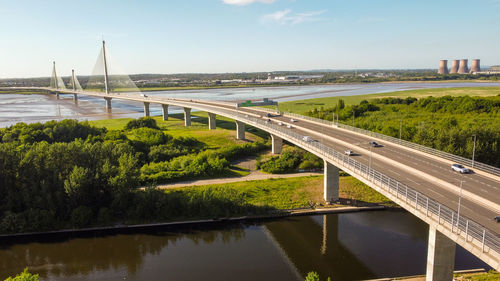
24, 276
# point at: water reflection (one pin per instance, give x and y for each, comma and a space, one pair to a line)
345, 247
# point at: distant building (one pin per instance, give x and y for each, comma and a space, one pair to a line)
495, 68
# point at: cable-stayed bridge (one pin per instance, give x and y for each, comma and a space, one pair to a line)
459, 208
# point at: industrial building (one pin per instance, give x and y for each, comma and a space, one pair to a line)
460, 67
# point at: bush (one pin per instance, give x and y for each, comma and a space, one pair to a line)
24, 276
143, 122
81, 217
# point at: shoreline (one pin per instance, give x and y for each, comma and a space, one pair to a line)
135, 227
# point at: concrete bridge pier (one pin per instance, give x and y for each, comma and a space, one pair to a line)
277, 144
331, 182
211, 121
108, 104
57, 95
165, 111
75, 98
146, 109
240, 130
187, 116
440, 256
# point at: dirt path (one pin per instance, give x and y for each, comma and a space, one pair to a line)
247, 163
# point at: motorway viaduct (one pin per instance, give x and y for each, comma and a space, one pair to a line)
421, 183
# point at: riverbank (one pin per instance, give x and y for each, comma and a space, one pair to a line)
459, 275
137, 227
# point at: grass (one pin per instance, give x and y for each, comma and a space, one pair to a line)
224, 134
293, 193
490, 276
302, 106
22, 92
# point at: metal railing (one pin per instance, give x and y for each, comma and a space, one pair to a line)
469, 230
432, 151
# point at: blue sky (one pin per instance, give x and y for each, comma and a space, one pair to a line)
178, 36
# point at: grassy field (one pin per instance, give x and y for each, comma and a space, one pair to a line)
299, 192
224, 134
302, 106
490, 276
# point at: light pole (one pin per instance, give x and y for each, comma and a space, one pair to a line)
473, 150
400, 128
370, 163
459, 200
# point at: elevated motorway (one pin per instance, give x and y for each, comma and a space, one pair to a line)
420, 182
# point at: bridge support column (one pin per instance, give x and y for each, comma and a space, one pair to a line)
108, 104
277, 144
146, 109
165, 111
331, 183
440, 256
211, 121
57, 95
187, 116
75, 98
240, 130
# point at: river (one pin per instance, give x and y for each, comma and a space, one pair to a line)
16, 108
349, 246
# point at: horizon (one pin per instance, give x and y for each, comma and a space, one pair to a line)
245, 36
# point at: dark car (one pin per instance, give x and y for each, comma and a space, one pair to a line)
374, 144
269, 115
497, 219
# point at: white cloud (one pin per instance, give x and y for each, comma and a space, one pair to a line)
286, 16
246, 2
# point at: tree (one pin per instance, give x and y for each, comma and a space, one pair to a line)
24, 276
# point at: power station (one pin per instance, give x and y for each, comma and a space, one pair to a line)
459, 66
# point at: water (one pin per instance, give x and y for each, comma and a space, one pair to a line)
34, 108
352, 246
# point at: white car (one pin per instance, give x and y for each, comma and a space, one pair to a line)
289, 126
293, 120
280, 123
144, 95
349, 152
307, 138
459, 168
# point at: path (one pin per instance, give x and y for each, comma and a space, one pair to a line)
247, 163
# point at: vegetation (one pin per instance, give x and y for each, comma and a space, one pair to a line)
71, 174
24, 276
302, 106
490, 276
314, 276
292, 159
446, 123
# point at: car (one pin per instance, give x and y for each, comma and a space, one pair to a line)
268, 121
280, 123
497, 218
374, 144
144, 95
459, 168
293, 120
289, 126
269, 115
307, 138
349, 152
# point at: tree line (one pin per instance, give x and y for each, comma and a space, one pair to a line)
70, 174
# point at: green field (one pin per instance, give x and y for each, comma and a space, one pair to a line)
292, 193
302, 106
224, 134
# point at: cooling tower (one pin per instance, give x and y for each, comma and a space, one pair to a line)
454, 66
475, 67
443, 67
463, 68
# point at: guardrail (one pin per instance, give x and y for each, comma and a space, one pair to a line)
469, 230
432, 151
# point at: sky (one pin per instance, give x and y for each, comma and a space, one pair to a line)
219, 36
